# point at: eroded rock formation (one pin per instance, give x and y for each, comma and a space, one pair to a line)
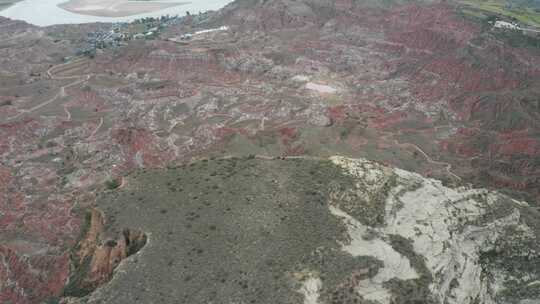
448, 244
96, 255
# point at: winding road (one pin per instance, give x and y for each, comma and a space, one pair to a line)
61, 93
429, 159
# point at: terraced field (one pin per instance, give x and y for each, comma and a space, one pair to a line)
526, 13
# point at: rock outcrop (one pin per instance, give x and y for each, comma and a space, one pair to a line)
441, 241
96, 256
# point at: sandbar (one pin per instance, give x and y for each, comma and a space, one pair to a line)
115, 8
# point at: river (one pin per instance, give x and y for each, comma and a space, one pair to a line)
47, 12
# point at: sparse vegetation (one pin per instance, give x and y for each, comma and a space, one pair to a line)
229, 205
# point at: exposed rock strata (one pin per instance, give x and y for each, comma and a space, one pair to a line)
96, 255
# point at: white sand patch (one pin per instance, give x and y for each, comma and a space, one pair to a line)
90, 7
311, 288
321, 88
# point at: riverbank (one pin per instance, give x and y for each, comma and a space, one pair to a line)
7, 3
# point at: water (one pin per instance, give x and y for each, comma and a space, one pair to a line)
47, 12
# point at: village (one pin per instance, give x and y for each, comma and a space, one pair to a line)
145, 28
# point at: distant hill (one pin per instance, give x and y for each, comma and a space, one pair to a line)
526, 3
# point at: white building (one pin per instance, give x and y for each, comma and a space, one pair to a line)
505, 25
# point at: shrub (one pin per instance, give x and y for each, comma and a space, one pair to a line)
112, 184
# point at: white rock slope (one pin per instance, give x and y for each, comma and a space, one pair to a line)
460, 239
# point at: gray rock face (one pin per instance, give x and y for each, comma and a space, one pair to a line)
320, 120
319, 231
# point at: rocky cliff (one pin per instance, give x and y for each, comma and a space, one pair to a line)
96, 256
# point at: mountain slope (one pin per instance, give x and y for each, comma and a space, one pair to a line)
297, 230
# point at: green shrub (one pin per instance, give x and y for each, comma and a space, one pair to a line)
112, 184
